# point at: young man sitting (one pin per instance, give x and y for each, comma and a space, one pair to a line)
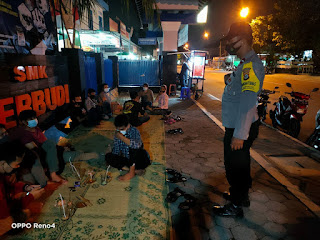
14, 196
127, 150
78, 113
33, 138
32, 170
137, 115
146, 95
93, 108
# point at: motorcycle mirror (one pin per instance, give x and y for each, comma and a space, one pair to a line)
315, 90
288, 85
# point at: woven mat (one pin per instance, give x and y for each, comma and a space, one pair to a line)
120, 210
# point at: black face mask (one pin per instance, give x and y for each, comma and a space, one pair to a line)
92, 96
231, 50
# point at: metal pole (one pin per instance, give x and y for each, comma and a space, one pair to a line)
220, 55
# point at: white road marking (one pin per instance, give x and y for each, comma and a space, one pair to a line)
270, 169
213, 97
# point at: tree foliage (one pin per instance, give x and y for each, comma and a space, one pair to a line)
293, 27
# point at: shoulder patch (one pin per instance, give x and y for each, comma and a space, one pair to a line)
249, 80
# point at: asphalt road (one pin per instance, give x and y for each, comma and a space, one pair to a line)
214, 85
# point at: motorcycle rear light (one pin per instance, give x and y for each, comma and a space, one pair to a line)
301, 111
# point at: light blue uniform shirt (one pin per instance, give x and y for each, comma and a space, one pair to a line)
239, 100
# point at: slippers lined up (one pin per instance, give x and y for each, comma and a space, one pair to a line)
190, 201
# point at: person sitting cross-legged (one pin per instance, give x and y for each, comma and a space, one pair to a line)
127, 150
137, 115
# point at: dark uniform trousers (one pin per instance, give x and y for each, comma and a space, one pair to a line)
237, 164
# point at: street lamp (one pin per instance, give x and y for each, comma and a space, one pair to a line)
244, 12
206, 35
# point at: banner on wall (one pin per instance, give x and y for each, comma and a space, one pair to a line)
26, 27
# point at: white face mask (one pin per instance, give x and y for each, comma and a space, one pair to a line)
145, 88
123, 132
106, 90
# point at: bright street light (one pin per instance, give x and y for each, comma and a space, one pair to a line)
206, 35
244, 12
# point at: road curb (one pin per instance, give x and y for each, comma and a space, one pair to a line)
314, 154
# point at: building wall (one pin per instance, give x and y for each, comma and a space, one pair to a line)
96, 13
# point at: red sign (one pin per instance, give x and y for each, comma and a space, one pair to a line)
123, 30
113, 26
39, 101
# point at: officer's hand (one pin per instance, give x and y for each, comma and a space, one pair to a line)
226, 78
236, 144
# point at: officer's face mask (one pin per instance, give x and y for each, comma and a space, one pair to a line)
33, 123
230, 48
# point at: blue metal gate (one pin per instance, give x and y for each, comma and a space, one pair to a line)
91, 73
138, 72
108, 73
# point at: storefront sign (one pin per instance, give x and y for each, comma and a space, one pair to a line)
123, 30
113, 26
147, 41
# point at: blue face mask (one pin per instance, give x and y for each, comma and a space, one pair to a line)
32, 123
123, 132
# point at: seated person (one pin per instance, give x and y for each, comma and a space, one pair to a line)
146, 96
105, 99
14, 196
33, 138
78, 113
137, 115
127, 149
163, 102
93, 108
31, 170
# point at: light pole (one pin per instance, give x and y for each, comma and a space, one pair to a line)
244, 12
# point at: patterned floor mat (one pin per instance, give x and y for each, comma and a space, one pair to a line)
120, 210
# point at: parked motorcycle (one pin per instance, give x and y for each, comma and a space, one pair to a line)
263, 100
288, 114
314, 139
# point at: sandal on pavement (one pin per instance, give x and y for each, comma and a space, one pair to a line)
177, 178
174, 195
188, 203
172, 171
175, 131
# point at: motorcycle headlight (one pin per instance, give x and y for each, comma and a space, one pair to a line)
301, 111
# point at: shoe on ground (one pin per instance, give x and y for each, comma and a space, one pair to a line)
245, 202
228, 210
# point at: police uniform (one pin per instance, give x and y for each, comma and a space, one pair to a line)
240, 118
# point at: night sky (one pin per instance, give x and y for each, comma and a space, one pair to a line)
221, 14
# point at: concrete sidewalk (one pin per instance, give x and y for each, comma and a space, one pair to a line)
198, 153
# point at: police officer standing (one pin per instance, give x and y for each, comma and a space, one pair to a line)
240, 118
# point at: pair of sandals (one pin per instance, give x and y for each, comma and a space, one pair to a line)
175, 131
168, 117
189, 202
176, 176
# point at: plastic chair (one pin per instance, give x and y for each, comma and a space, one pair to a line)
185, 93
174, 86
